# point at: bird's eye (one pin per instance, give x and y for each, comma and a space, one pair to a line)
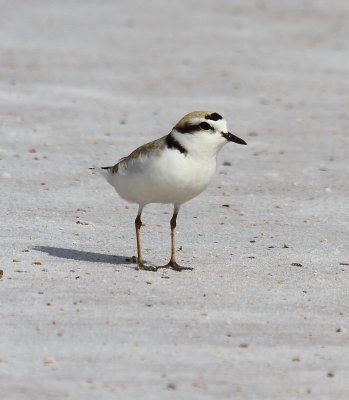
205, 126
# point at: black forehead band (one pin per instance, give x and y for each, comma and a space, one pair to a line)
213, 116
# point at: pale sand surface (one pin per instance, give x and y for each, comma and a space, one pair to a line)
84, 83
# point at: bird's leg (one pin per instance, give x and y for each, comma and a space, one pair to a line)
138, 225
173, 263
173, 224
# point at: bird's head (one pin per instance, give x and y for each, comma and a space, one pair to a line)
204, 132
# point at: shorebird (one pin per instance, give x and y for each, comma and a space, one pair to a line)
173, 169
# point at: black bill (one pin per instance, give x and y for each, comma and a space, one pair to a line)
232, 138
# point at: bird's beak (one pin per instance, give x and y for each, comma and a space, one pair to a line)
232, 138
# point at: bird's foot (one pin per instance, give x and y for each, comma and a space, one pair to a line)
145, 267
176, 267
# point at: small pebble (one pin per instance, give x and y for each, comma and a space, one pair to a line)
49, 360
82, 222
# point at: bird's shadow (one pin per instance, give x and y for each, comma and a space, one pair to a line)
88, 256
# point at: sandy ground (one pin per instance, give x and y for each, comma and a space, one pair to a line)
264, 314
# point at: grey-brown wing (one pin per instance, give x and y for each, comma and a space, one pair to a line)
138, 158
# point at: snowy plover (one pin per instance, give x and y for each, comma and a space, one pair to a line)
172, 169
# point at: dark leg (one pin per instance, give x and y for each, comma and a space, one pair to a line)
172, 263
173, 224
138, 224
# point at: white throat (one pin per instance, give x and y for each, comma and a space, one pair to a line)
202, 145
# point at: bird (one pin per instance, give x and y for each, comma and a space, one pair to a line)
172, 170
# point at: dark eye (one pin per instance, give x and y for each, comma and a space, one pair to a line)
205, 125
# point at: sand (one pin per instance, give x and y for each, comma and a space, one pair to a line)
264, 313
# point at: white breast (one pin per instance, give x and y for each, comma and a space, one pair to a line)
167, 176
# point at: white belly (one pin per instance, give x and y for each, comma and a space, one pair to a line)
170, 177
